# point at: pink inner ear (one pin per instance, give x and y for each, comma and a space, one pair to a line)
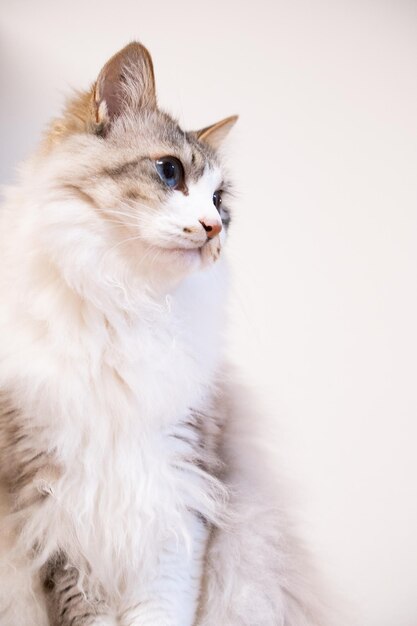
111, 92
127, 82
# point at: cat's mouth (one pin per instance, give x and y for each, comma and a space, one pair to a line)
185, 249
184, 254
188, 252
206, 252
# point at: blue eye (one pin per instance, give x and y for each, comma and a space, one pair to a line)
217, 199
170, 171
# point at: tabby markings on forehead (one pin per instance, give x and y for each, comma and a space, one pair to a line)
198, 163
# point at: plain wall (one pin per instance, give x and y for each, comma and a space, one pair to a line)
323, 245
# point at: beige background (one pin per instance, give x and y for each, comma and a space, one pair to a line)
324, 241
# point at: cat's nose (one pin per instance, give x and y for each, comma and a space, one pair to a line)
211, 226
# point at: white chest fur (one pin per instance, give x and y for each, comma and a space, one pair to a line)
107, 401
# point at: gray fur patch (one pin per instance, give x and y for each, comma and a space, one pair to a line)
69, 597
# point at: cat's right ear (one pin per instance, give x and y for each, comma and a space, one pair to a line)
125, 84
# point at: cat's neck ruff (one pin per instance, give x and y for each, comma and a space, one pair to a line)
102, 329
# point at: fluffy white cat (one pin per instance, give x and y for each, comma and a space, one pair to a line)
133, 493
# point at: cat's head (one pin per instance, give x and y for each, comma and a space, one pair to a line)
159, 195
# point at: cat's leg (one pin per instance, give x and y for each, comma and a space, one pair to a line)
171, 597
70, 597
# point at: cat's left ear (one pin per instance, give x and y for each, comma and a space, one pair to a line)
215, 134
126, 83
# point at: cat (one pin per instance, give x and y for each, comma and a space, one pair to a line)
133, 493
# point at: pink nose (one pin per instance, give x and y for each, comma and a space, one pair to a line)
212, 227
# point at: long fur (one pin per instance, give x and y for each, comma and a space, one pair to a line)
133, 491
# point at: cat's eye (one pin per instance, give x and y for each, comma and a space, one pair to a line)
217, 199
170, 171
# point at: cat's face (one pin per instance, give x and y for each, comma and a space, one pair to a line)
161, 194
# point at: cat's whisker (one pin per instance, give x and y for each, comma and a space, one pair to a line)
135, 219
136, 203
105, 212
156, 253
120, 223
118, 244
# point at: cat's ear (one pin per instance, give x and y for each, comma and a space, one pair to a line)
125, 83
215, 134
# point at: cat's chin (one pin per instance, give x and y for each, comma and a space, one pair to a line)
184, 252
171, 265
194, 258
181, 256
164, 267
